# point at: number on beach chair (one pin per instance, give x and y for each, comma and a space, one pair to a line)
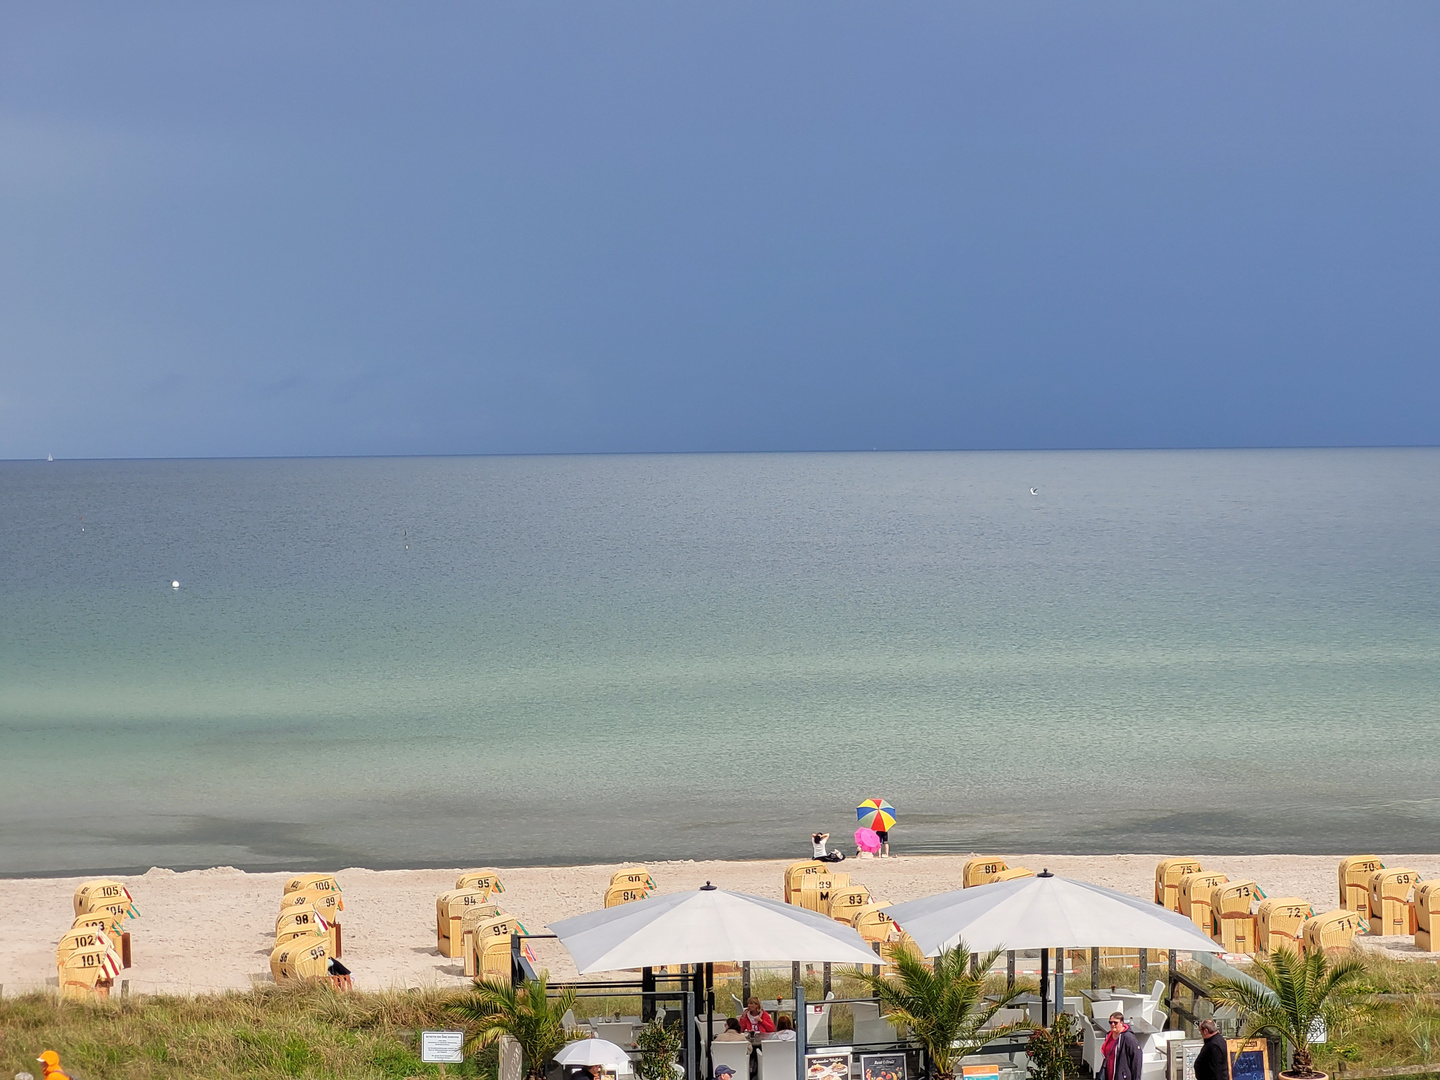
313, 882
1167, 880
1332, 931
488, 878
795, 871
1278, 923
1355, 874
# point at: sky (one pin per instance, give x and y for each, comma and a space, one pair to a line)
312, 229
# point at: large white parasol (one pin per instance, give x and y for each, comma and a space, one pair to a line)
594, 1052
708, 925
1044, 912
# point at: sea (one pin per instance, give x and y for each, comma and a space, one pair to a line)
413, 662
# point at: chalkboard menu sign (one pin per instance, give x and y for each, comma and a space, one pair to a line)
1249, 1059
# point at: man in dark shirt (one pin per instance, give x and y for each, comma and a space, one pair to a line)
1213, 1061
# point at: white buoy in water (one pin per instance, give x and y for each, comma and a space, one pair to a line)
174, 584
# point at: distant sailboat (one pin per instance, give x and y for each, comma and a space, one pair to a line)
49, 457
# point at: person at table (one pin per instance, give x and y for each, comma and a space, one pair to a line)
755, 1020
784, 1029
1213, 1061
1120, 1053
732, 1032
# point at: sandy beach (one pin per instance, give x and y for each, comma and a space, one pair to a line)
210, 930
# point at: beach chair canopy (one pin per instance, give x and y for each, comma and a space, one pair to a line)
707, 925
1044, 912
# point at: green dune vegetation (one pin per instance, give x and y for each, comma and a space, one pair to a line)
309, 1030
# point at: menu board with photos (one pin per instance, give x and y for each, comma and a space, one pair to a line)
827, 1065
882, 1067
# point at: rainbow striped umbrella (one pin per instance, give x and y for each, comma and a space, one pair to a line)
876, 814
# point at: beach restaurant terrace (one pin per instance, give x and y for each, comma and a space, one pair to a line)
697, 931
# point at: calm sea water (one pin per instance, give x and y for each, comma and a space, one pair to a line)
410, 662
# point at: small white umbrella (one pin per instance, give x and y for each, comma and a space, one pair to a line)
1044, 912
594, 1052
708, 925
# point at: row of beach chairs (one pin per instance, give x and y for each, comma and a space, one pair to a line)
91, 955
1243, 919
472, 927
816, 886
308, 939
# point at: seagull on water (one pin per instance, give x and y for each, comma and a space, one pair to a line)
1034, 491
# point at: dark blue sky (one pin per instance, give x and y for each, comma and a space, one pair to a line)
474, 228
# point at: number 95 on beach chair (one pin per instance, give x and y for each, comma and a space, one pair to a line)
488, 878
797, 871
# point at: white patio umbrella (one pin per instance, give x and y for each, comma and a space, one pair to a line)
707, 925
594, 1052
1044, 912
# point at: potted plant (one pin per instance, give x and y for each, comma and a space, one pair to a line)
1297, 999
527, 1013
943, 1005
1049, 1049
658, 1046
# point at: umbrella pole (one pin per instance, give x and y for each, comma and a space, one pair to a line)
647, 994
1044, 987
1059, 982
709, 1019
1010, 970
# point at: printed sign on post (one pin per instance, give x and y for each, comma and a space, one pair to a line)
442, 1047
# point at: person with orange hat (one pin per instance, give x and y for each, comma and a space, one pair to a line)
51, 1060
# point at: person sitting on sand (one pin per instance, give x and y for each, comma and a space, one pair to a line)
817, 842
755, 1020
732, 1032
784, 1029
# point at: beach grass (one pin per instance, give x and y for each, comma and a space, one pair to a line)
269, 1033
309, 1030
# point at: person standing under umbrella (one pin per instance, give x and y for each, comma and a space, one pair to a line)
878, 815
1120, 1053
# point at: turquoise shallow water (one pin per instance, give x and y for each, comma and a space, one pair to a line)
579, 658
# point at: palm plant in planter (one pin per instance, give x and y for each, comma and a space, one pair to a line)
944, 1005
1299, 997
527, 1013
